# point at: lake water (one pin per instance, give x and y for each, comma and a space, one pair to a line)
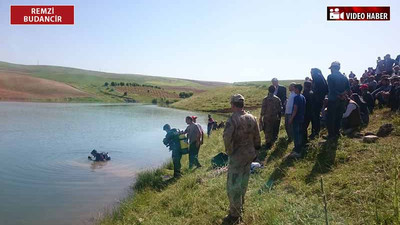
45, 176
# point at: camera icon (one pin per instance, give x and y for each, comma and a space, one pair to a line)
335, 14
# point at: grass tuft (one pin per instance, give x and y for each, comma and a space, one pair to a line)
151, 179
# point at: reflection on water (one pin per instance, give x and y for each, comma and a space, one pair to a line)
97, 165
45, 176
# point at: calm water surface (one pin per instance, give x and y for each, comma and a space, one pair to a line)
45, 176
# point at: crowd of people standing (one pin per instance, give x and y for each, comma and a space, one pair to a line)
340, 103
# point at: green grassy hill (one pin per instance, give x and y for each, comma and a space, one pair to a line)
217, 99
93, 82
360, 183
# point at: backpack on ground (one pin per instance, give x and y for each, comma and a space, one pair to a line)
220, 160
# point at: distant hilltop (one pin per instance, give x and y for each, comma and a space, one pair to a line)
63, 84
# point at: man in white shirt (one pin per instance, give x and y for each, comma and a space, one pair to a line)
288, 112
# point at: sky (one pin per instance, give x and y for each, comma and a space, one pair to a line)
215, 40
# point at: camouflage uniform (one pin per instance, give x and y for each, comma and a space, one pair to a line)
241, 139
270, 117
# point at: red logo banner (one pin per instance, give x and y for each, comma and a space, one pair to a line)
362, 13
42, 15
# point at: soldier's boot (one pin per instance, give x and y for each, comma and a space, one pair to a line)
177, 175
231, 220
198, 165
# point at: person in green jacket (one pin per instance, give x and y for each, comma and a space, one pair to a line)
171, 140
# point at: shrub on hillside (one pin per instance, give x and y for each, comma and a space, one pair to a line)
185, 94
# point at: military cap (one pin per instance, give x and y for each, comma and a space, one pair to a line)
237, 98
335, 64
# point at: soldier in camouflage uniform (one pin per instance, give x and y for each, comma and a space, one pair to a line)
242, 140
270, 117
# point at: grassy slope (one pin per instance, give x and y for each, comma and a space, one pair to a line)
217, 99
359, 185
92, 81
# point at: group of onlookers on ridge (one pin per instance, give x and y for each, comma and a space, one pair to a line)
338, 103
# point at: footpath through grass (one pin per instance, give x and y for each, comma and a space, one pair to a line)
360, 182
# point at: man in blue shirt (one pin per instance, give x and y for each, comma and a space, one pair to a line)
297, 120
338, 90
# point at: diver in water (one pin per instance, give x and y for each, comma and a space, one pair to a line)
99, 156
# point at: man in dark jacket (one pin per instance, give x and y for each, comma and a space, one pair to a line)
394, 93
371, 83
308, 115
367, 97
381, 92
171, 140
338, 91
210, 125
398, 60
388, 63
320, 90
280, 92
355, 86
363, 106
